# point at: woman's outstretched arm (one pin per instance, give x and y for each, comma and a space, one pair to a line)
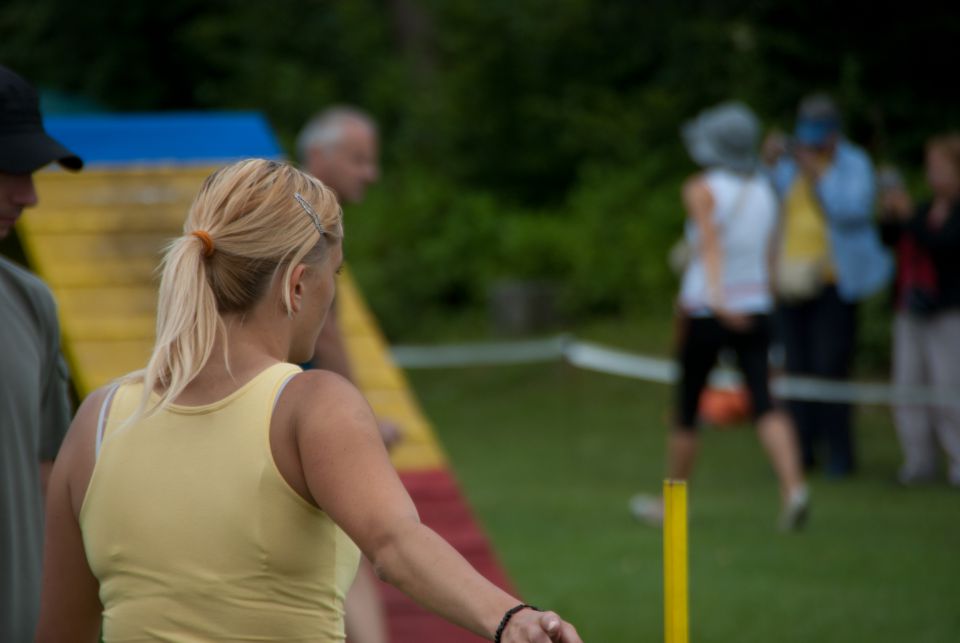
350, 476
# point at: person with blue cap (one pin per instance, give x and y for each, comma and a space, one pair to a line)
830, 258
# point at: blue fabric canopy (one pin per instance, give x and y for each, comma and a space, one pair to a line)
176, 138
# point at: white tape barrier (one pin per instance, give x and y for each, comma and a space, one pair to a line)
480, 354
595, 357
602, 359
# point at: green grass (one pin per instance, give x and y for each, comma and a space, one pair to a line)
549, 455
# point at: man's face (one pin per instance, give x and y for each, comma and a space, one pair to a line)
16, 193
350, 165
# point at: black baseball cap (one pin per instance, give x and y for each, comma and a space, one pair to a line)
25, 146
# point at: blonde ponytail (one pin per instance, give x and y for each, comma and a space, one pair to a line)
245, 226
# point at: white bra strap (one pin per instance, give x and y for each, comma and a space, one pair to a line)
283, 386
102, 420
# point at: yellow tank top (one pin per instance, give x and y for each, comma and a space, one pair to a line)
805, 236
194, 534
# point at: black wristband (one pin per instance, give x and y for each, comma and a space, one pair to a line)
506, 618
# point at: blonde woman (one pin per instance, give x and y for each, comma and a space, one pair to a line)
218, 494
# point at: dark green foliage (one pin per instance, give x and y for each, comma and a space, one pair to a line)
522, 138
421, 244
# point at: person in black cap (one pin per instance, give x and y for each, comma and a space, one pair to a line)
34, 404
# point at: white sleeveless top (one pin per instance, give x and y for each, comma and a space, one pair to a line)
745, 214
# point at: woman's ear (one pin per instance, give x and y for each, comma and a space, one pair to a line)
297, 287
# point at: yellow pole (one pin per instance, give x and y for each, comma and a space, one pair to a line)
676, 622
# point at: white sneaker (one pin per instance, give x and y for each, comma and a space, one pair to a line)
797, 511
647, 509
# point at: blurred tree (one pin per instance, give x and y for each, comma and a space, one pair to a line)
509, 95
288, 57
564, 112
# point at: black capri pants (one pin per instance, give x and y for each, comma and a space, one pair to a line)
701, 340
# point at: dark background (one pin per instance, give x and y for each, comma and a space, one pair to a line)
522, 138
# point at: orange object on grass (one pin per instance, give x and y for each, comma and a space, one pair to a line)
724, 406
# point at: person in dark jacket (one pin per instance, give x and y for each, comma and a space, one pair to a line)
927, 301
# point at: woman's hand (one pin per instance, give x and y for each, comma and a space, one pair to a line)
530, 626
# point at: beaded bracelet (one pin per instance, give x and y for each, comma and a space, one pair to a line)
506, 618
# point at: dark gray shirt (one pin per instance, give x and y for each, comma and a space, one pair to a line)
34, 415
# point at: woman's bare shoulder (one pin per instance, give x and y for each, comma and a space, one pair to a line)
320, 394
78, 453
87, 417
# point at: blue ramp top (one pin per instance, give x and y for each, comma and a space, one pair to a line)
174, 138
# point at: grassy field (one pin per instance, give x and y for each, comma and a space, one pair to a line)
549, 455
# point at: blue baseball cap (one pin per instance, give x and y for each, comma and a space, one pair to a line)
815, 132
818, 118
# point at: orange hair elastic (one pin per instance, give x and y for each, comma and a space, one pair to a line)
207, 241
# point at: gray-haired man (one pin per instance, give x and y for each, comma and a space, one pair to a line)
339, 147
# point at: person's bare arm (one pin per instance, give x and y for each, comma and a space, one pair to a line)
699, 203
330, 352
70, 608
364, 617
349, 475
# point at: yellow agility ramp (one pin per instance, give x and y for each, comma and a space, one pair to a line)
383, 383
